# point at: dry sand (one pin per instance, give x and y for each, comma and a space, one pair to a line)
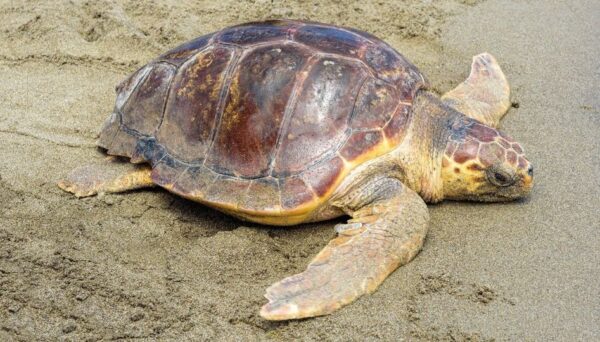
150, 265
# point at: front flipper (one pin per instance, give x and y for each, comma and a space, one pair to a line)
484, 96
108, 176
387, 230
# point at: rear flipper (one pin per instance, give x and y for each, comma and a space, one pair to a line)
485, 95
387, 231
110, 175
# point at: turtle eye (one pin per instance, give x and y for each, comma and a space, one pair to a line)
499, 177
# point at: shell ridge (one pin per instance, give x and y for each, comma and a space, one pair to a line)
350, 130
167, 97
147, 70
131, 131
393, 113
171, 63
189, 58
249, 48
289, 110
227, 79
209, 45
213, 39
356, 96
118, 114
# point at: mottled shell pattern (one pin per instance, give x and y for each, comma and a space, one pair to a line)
264, 118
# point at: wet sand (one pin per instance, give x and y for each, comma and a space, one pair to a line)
150, 265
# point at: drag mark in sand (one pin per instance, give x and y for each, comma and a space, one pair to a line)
60, 143
60, 59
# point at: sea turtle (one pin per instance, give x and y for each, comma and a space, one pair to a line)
284, 122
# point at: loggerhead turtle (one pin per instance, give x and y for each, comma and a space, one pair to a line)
284, 122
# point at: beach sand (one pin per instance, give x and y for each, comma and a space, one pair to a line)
150, 265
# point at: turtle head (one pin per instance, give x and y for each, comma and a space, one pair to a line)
483, 164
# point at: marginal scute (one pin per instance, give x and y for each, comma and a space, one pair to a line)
319, 122
145, 150
123, 144
359, 143
194, 181
144, 110
109, 130
258, 95
262, 195
166, 172
226, 191
190, 114
322, 177
294, 192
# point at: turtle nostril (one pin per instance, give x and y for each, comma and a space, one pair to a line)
530, 171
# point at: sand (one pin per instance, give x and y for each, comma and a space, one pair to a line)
150, 265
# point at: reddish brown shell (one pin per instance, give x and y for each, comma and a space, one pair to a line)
264, 118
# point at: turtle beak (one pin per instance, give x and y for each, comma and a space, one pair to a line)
527, 180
